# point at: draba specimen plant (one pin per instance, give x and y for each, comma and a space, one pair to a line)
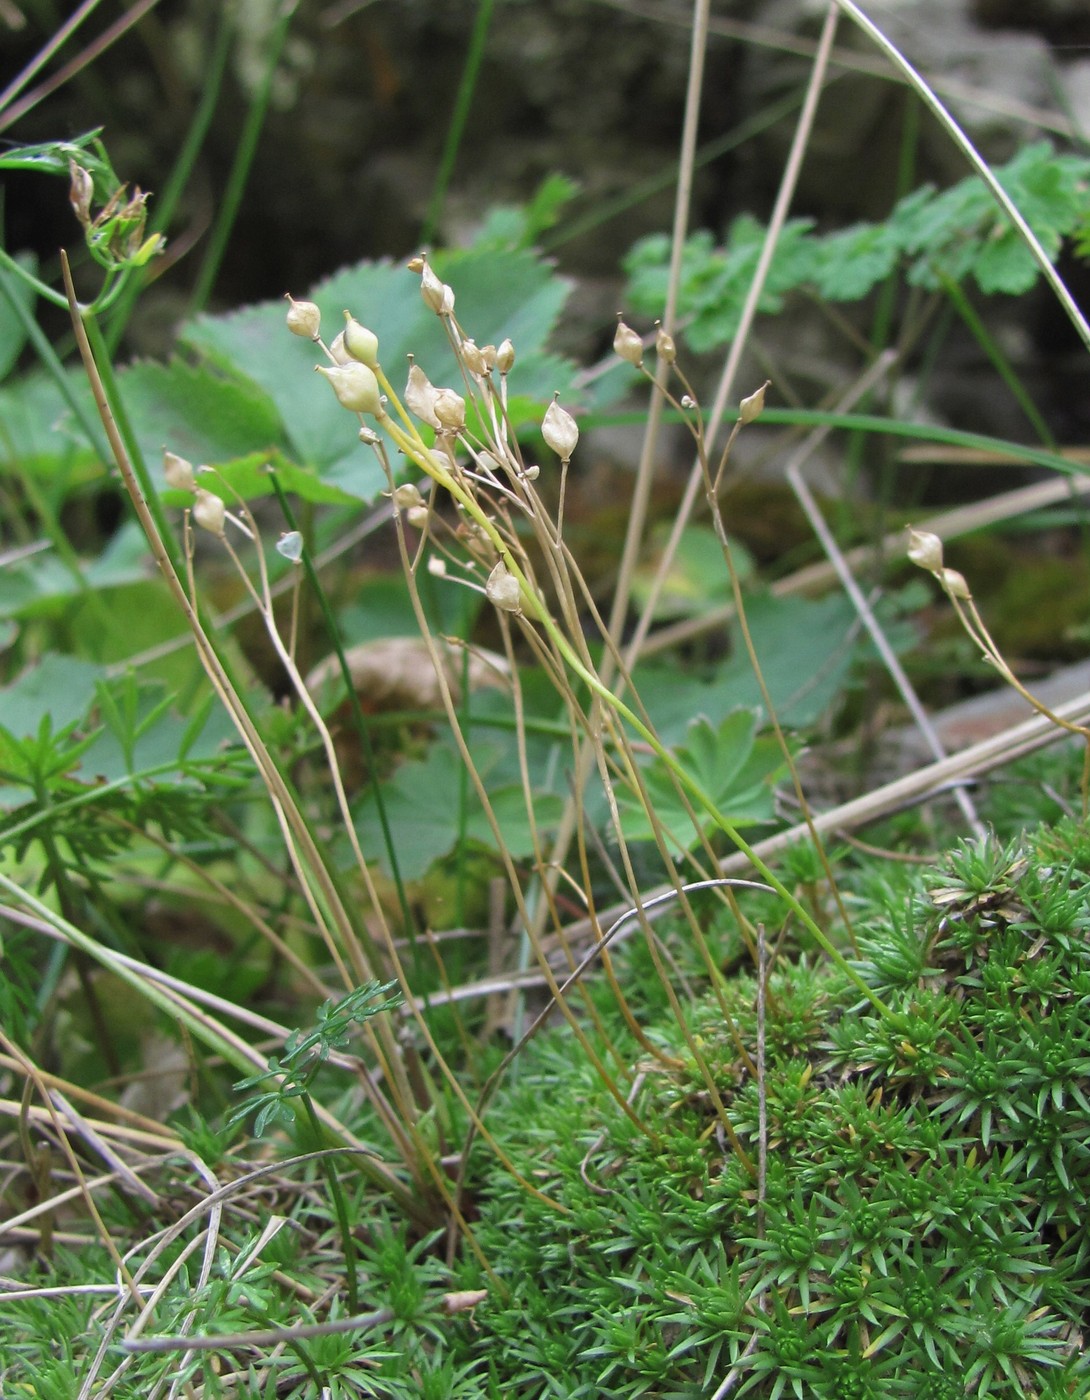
504, 541
475, 516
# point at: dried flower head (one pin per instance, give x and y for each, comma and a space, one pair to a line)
81, 193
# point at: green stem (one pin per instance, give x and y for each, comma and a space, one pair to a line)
1000, 363
167, 201
340, 1205
363, 729
466, 88
240, 169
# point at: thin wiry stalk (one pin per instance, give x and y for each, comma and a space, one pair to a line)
641, 489
977, 161
725, 388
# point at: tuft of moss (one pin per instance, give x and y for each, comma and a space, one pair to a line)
922, 1231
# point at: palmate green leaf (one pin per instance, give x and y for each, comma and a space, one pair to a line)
498, 295
806, 648
12, 330
38, 434
734, 767
60, 688
201, 414
422, 804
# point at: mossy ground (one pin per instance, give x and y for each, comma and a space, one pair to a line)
920, 1231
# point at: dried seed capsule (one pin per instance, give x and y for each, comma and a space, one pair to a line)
628, 345
450, 409
505, 357
209, 512
304, 318
474, 358
355, 386
436, 294
502, 588
420, 396
925, 549
361, 343
665, 348
338, 353
749, 410
406, 496
955, 584
178, 472
560, 431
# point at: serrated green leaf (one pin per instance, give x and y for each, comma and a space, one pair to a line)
60, 688
1005, 264
38, 434
806, 648
728, 767
850, 263
12, 331
202, 414
251, 477
422, 803
511, 294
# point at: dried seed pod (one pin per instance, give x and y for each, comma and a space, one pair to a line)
406, 496
209, 512
628, 345
338, 352
450, 409
925, 549
665, 348
474, 358
355, 386
420, 396
178, 472
361, 343
502, 589
749, 410
304, 318
436, 294
505, 357
955, 584
560, 431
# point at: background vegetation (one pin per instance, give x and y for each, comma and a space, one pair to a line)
438, 958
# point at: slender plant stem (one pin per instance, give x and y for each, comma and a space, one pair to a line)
231, 201
168, 198
340, 1205
462, 103
977, 161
